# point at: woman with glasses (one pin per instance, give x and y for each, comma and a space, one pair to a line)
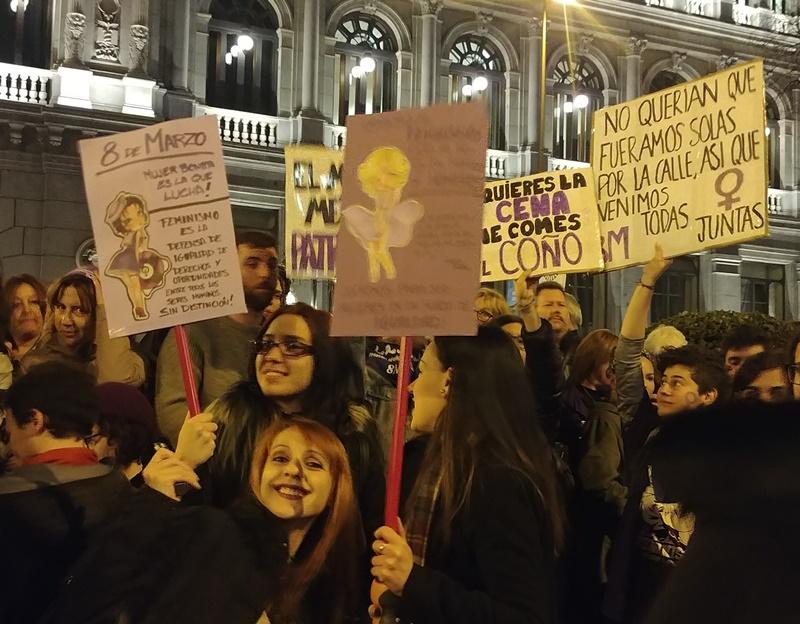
76, 331
296, 370
489, 304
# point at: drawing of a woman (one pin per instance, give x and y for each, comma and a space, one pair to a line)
139, 268
383, 175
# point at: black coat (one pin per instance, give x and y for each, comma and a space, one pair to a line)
498, 566
80, 545
735, 467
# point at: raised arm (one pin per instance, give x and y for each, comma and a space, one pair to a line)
627, 360
526, 302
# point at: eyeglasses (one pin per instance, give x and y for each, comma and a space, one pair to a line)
288, 348
794, 373
484, 316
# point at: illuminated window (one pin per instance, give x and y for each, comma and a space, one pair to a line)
476, 73
365, 67
578, 92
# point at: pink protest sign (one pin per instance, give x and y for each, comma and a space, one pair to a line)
409, 246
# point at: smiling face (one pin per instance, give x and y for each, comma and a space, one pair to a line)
26, 315
71, 319
282, 370
296, 482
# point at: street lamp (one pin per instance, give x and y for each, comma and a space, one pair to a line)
14, 4
367, 63
543, 81
245, 42
480, 84
581, 101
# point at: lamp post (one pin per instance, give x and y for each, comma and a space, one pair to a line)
543, 81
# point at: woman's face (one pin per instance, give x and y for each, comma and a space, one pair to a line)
296, 482
133, 218
71, 319
26, 315
430, 390
285, 363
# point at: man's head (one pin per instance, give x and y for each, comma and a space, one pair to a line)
52, 403
690, 378
763, 377
551, 305
742, 342
258, 260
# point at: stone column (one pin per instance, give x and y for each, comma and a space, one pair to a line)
310, 52
405, 64
531, 62
631, 67
180, 40
786, 145
428, 61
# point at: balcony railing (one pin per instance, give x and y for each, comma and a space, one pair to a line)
31, 85
782, 203
335, 136
244, 128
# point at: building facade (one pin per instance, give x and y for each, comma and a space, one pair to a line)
282, 71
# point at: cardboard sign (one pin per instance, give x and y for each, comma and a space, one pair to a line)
161, 216
544, 223
408, 253
686, 166
313, 194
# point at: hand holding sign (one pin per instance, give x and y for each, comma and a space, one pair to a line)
656, 267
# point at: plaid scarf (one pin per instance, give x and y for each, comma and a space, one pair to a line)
420, 516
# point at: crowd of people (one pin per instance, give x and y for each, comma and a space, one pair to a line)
549, 476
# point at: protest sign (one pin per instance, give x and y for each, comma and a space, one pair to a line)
313, 192
539, 224
161, 215
686, 166
408, 252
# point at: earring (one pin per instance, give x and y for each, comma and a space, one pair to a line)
443, 391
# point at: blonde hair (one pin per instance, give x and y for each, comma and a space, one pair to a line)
575, 312
492, 301
385, 168
664, 337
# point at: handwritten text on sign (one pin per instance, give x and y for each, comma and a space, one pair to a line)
313, 194
158, 200
685, 166
540, 224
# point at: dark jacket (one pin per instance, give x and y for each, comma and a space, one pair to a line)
544, 364
47, 514
498, 566
735, 467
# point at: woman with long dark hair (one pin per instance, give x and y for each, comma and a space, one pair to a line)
484, 519
296, 369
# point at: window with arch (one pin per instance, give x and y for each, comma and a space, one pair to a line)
242, 71
664, 80
477, 73
366, 66
577, 93
773, 144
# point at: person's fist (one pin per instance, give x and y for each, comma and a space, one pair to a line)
525, 290
393, 560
